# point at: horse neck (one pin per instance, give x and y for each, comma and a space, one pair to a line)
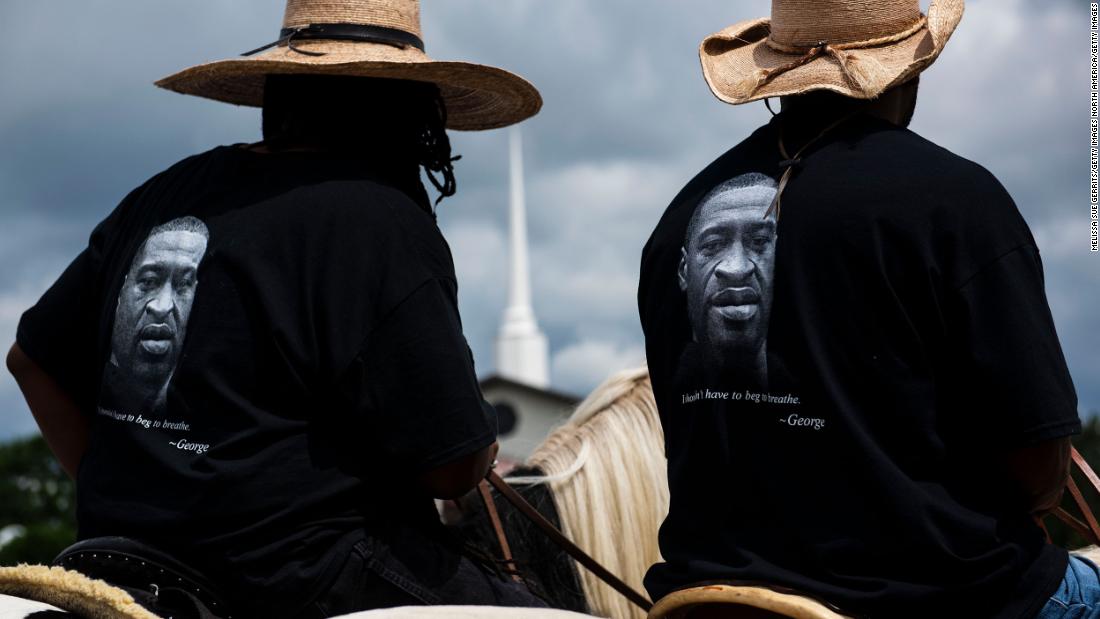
610, 486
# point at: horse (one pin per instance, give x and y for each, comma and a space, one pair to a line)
601, 477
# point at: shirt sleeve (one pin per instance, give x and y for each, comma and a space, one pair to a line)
59, 333
1017, 387
415, 384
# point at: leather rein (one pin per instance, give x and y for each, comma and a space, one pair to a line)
1088, 528
553, 533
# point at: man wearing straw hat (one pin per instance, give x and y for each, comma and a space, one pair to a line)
902, 413
257, 365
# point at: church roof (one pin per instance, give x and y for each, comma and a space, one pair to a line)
494, 381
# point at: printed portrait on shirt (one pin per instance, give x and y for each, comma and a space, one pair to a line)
726, 273
154, 304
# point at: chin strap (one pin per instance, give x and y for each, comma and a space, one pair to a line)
788, 163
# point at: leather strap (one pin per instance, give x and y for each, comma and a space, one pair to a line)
566, 544
1061, 514
788, 163
1089, 528
1084, 467
343, 32
498, 528
1090, 519
1079, 498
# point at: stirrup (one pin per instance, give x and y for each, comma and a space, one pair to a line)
741, 601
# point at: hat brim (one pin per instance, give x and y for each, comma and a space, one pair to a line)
477, 96
731, 56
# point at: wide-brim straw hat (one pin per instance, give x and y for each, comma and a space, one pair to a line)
858, 48
365, 38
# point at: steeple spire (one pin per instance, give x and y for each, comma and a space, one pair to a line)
521, 348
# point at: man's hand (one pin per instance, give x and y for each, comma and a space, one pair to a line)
1039, 473
58, 417
456, 478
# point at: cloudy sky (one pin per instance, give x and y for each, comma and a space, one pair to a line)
627, 121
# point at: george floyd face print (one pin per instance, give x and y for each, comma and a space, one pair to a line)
726, 267
151, 318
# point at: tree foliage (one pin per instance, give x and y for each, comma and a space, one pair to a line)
37, 500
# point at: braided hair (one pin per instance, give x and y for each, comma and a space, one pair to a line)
435, 148
393, 122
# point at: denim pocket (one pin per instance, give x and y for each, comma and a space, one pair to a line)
379, 560
369, 578
1078, 595
1062, 597
345, 593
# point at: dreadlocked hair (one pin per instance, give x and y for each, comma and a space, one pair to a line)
435, 152
385, 121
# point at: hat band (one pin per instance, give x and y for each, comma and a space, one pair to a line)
865, 73
883, 40
343, 32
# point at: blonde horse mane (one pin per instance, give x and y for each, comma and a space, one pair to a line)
606, 470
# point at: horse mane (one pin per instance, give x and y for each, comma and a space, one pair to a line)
606, 469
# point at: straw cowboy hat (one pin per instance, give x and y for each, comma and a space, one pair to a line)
367, 38
858, 48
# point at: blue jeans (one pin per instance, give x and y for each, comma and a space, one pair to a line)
1078, 597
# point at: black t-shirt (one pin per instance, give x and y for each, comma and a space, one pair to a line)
269, 347
833, 385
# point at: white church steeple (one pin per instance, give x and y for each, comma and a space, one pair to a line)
521, 348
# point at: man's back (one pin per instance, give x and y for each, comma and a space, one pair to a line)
833, 383
306, 360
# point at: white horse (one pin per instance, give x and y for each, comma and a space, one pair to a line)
606, 470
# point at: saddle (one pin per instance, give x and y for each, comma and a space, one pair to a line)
155, 579
739, 602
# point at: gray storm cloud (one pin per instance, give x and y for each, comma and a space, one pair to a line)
627, 121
